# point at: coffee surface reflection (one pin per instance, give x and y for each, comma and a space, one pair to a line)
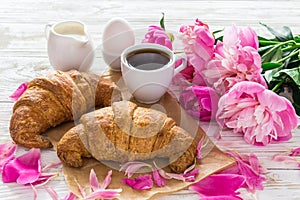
148, 59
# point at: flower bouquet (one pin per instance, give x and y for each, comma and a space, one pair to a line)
239, 79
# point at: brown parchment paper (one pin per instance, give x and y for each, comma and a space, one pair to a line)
214, 160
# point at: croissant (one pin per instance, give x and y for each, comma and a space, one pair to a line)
125, 132
59, 97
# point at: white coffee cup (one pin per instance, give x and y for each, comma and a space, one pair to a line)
148, 69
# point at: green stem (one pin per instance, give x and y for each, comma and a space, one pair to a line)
265, 42
289, 56
278, 85
291, 47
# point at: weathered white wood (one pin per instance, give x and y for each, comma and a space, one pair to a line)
23, 56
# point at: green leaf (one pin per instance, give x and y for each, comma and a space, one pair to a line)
263, 49
296, 98
217, 31
218, 39
270, 65
293, 74
282, 34
263, 38
269, 75
297, 38
272, 55
162, 21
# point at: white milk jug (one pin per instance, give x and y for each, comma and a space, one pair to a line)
69, 46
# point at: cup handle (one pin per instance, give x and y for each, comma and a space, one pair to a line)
47, 29
183, 64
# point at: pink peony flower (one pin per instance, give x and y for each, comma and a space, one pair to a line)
200, 102
186, 74
236, 59
142, 182
249, 167
259, 114
219, 186
18, 92
157, 35
198, 44
248, 37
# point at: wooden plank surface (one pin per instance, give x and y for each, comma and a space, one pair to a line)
23, 56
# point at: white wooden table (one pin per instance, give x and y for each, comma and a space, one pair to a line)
23, 56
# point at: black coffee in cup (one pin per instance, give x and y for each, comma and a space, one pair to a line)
148, 59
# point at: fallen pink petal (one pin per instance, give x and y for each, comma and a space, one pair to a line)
51, 165
24, 169
219, 185
142, 182
285, 159
54, 195
221, 197
295, 152
191, 175
43, 179
188, 176
132, 167
104, 194
199, 147
249, 167
158, 179
18, 92
94, 180
107, 180
7, 151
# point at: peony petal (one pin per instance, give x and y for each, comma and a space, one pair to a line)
34, 192
191, 176
158, 180
295, 152
52, 193
249, 167
81, 189
94, 180
24, 169
52, 165
219, 185
104, 194
199, 147
107, 180
18, 92
132, 167
7, 151
285, 159
221, 197
188, 176
142, 182
70, 196
44, 179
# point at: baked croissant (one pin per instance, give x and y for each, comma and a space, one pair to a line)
125, 132
59, 97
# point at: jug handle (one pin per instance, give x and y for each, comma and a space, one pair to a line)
47, 29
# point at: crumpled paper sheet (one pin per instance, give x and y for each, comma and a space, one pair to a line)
213, 159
